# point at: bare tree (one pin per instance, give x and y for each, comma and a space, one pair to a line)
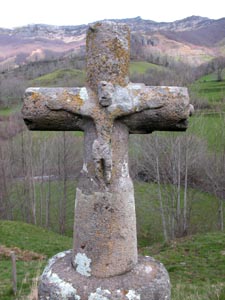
162, 209
171, 162
215, 182
63, 200
4, 194
219, 64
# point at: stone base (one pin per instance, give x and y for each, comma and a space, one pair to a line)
149, 280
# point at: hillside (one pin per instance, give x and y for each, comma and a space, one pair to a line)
32, 246
209, 34
195, 264
193, 39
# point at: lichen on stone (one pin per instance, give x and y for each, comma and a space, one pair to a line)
84, 93
65, 290
100, 295
132, 295
82, 263
148, 269
53, 260
125, 170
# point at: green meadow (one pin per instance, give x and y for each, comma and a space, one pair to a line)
62, 77
142, 67
195, 264
210, 89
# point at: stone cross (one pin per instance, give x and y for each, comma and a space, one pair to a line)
108, 109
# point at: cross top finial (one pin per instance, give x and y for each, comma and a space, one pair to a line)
108, 54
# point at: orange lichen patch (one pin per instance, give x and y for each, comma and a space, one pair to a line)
24, 255
117, 112
124, 292
75, 100
122, 57
136, 93
118, 50
35, 96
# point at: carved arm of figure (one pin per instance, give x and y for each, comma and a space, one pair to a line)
137, 97
72, 100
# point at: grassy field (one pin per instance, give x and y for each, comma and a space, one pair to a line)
210, 89
196, 264
62, 77
210, 128
8, 111
142, 67
33, 246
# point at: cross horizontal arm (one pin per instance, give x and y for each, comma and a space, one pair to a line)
55, 108
156, 108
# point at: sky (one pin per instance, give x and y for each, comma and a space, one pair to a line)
16, 13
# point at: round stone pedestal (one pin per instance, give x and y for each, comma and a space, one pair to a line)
148, 280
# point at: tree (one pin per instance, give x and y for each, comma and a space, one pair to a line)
219, 65
171, 162
215, 180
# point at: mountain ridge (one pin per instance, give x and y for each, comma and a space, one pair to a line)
193, 18
194, 39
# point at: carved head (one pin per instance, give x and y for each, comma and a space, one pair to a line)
105, 93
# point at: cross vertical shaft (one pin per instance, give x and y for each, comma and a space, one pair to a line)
105, 222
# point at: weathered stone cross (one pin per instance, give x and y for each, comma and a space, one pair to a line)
107, 110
